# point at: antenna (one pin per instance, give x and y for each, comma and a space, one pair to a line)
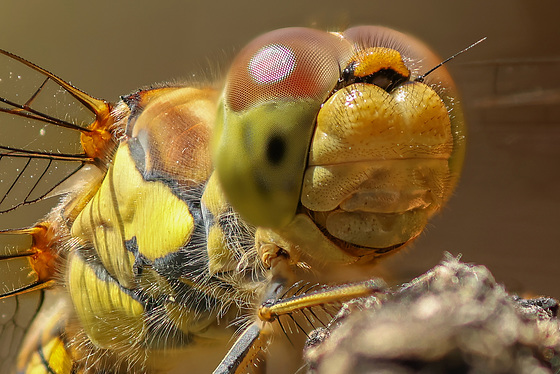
421, 78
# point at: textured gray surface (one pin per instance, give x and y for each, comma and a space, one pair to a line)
453, 319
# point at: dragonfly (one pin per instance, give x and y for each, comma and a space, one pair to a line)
192, 219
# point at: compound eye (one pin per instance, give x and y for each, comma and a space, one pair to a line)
273, 92
284, 64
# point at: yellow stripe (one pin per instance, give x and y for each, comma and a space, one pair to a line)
110, 317
127, 206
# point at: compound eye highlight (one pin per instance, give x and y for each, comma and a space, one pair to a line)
293, 63
273, 92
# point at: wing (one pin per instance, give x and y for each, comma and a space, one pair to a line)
50, 130
51, 135
17, 314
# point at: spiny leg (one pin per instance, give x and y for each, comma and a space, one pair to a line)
256, 337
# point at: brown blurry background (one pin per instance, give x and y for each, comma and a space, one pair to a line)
505, 213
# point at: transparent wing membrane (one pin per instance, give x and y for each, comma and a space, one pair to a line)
17, 314
26, 260
45, 123
15, 261
49, 131
27, 270
27, 179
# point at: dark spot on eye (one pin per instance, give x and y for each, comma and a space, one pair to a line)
275, 149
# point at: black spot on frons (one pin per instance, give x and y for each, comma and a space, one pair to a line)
275, 149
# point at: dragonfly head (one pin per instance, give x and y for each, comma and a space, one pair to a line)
334, 127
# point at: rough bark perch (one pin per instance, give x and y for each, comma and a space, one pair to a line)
453, 319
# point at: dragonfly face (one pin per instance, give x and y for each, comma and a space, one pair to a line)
322, 150
378, 153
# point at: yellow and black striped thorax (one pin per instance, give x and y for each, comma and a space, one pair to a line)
162, 256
